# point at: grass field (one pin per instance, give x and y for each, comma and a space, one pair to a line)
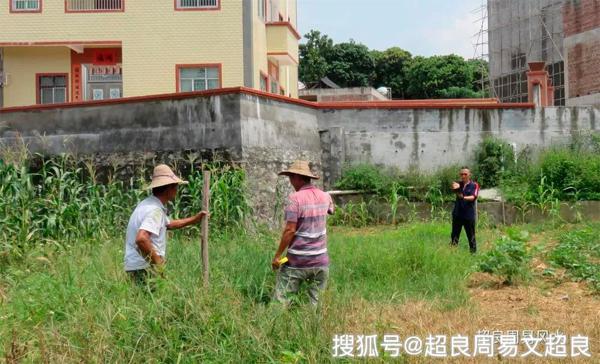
75, 304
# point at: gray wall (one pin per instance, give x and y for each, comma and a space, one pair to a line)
209, 123
265, 134
426, 139
275, 133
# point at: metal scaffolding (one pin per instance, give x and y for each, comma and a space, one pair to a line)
522, 31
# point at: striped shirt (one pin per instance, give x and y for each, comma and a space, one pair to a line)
308, 208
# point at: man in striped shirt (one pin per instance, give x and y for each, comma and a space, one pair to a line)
304, 237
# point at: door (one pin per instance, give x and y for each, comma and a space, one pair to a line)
103, 82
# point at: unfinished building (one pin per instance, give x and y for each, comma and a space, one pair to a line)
520, 32
562, 33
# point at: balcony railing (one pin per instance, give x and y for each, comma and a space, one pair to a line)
197, 4
94, 5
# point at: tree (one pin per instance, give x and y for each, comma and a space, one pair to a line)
433, 77
314, 56
390, 69
351, 64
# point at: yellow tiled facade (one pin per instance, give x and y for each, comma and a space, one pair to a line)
152, 38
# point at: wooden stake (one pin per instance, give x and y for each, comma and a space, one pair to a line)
204, 236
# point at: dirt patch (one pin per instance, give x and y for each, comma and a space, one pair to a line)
568, 308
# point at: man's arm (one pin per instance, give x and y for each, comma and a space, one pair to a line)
143, 242
181, 223
286, 238
472, 195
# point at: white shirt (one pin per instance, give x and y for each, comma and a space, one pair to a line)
149, 215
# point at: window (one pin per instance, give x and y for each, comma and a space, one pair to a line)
51, 89
94, 5
274, 78
262, 10
197, 4
198, 78
26, 6
264, 82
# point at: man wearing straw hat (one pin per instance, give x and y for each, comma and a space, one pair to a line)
304, 237
146, 240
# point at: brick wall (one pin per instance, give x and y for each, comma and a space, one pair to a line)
580, 16
584, 68
581, 24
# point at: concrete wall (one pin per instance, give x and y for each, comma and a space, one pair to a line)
210, 123
426, 139
274, 134
264, 133
342, 94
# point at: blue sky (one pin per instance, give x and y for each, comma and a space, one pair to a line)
424, 27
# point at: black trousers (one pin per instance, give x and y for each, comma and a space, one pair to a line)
469, 225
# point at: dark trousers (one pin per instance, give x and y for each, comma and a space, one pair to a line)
469, 225
145, 278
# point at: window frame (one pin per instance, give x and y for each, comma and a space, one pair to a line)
13, 10
121, 10
179, 67
273, 77
265, 13
264, 77
178, 8
38, 87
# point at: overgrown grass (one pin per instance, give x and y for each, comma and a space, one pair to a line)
75, 304
579, 252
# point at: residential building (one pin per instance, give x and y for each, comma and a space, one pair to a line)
56, 51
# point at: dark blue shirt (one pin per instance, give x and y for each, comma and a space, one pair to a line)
466, 209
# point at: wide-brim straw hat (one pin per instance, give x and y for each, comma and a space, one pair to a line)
299, 167
163, 175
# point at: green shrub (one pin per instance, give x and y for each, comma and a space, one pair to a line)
579, 252
494, 160
364, 177
575, 174
509, 258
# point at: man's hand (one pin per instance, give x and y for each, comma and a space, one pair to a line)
460, 195
200, 216
275, 263
181, 223
455, 186
156, 259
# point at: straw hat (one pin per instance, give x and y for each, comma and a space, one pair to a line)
163, 175
299, 167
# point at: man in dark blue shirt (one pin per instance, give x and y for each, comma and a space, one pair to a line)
464, 213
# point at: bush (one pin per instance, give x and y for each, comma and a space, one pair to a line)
494, 160
411, 185
364, 177
575, 174
562, 173
509, 258
579, 252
